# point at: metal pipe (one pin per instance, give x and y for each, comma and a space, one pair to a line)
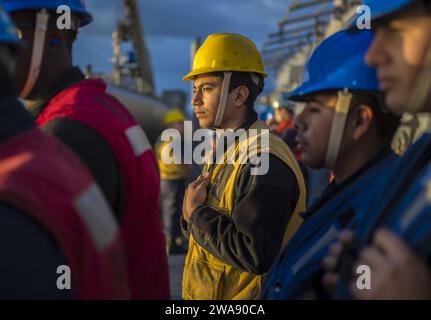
283, 57
306, 39
286, 56
301, 5
288, 52
135, 30
284, 31
275, 64
285, 51
282, 41
284, 22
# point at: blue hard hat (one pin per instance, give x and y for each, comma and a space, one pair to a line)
338, 64
8, 32
76, 6
266, 114
380, 8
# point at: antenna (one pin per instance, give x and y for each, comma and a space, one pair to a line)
137, 63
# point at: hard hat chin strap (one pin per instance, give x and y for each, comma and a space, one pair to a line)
41, 27
223, 100
337, 130
420, 94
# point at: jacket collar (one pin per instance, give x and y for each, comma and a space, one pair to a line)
65, 80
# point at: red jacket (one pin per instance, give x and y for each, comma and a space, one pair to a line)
88, 103
43, 178
283, 126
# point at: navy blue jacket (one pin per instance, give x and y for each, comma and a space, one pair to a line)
298, 268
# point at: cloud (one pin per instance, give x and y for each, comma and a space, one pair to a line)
191, 18
170, 27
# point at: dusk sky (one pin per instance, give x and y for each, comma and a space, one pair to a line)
170, 27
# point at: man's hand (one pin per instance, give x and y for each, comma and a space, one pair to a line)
396, 271
330, 262
195, 195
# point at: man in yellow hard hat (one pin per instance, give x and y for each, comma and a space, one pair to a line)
236, 221
173, 176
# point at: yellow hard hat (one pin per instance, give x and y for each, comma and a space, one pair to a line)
227, 52
172, 116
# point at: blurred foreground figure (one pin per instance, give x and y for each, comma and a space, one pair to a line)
98, 129
394, 241
53, 216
